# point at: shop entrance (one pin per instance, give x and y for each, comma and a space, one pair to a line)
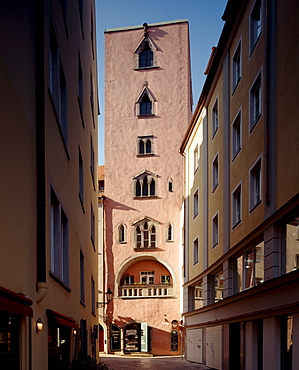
132, 338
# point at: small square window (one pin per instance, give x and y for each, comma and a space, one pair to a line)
236, 133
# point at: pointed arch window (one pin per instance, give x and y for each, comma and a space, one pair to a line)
146, 56
145, 235
145, 106
145, 102
145, 185
145, 53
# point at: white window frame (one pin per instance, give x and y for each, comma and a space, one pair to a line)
215, 117
146, 243
237, 205
147, 277
255, 22
215, 230
215, 172
165, 279
255, 102
237, 66
255, 181
237, 135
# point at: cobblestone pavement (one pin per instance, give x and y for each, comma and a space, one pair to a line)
149, 363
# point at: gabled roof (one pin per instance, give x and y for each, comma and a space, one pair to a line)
147, 173
145, 218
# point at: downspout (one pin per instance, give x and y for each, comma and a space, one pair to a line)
267, 57
41, 285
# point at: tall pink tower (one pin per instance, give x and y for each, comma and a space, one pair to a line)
148, 107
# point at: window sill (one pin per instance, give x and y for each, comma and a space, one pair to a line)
236, 153
236, 85
60, 282
63, 138
255, 205
254, 123
145, 196
145, 249
145, 115
145, 154
142, 68
81, 202
236, 224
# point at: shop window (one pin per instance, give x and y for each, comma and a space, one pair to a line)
218, 286
290, 245
250, 268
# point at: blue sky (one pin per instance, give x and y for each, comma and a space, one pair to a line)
205, 26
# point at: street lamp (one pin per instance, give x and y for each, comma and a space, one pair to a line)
109, 295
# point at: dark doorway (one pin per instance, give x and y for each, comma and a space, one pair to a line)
9, 341
115, 342
101, 338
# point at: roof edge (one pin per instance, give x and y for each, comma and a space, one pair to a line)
109, 30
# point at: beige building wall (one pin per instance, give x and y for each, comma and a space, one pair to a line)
248, 280
49, 182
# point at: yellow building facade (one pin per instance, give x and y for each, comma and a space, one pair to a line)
48, 202
241, 195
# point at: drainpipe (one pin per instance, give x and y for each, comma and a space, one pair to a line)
41, 285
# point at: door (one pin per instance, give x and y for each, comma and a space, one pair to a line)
101, 338
132, 338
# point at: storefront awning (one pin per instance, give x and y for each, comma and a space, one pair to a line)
62, 319
15, 302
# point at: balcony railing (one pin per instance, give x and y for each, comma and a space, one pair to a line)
142, 291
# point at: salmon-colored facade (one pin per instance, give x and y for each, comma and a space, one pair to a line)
147, 110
